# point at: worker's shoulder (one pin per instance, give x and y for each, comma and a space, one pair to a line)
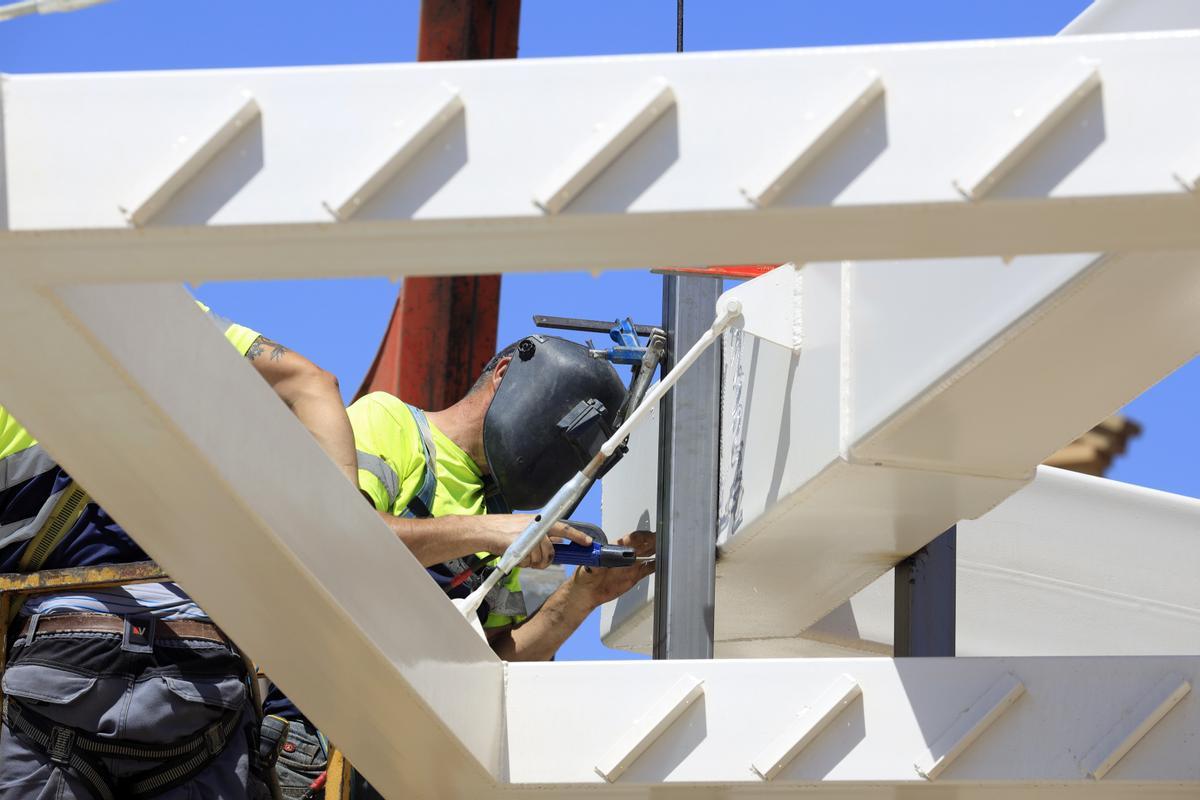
383, 409
383, 400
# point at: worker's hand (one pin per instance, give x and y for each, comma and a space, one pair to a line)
602, 585
503, 529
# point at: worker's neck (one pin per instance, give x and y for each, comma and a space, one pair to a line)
462, 423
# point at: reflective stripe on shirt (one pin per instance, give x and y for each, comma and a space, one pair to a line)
396, 442
23, 465
22, 530
380, 469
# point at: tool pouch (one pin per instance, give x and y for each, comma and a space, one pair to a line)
272, 734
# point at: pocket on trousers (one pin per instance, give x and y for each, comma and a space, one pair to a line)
302, 751
300, 761
227, 692
46, 684
162, 708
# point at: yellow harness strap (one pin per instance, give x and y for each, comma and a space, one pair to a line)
66, 512
63, 516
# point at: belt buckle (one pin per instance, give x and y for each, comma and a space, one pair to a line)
214, 740
62, 744
138, 636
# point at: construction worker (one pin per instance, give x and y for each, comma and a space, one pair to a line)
437, 479
130, 692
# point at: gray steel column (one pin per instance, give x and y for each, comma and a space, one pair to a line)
925, 599
685, 578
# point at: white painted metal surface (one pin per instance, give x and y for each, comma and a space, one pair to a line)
771, 306
925, 394
1029, 125
900, 415
1070, 565
808, 725
970, 724
185, 444
194, 151
646, 729
602, 149
1135, 724
424, 126
1035, 748
1102, 180
820, 132
1110, 16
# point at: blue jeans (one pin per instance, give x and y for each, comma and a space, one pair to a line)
301, 760
86, 681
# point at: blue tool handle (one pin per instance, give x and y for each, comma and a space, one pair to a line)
598, 555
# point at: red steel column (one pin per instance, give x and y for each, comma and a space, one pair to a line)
443, 330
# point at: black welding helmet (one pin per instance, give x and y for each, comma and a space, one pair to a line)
554, 408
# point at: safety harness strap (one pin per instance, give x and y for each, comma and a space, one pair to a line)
58, 524
58, 743
80, 751
62, 518
422, 505
503, 599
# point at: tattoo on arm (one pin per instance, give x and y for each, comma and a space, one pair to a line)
258, 345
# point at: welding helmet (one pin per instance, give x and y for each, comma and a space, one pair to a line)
553, 409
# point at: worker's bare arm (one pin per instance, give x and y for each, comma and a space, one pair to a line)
539, 638
439, 539
313, 396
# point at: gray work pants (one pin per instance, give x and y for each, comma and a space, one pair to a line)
87, 681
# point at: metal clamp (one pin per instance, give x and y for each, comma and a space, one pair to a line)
61, 745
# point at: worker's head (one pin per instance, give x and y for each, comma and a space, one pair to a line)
552, 406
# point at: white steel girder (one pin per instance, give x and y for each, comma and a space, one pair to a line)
1067, 144
1004, 363
974, 728
925, 393
147, 405
1071, 565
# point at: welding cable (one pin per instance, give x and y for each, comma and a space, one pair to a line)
473, 563
679, 27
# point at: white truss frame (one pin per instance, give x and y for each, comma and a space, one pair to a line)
114, 184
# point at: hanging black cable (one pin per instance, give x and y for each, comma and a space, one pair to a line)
679, 27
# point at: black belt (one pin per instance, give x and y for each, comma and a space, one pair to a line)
81, 751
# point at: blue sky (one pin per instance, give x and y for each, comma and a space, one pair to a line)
338, 323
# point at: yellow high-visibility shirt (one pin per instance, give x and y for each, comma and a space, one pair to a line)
392, 471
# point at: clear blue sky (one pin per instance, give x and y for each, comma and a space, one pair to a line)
339, 323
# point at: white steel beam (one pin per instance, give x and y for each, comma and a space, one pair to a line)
144, 402
997, 727
1111, 16
668, 192
884, 431
1069, 565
